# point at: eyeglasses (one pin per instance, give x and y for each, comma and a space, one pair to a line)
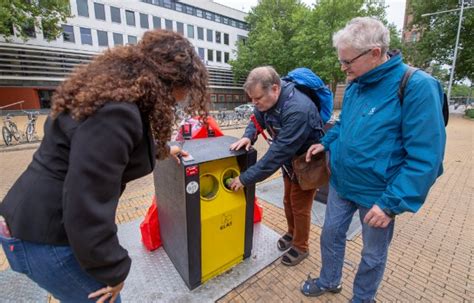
349, 62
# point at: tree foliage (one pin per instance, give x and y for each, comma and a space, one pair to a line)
438, 36
24, 16
287, 34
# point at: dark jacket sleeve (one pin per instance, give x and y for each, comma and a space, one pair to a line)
100, 152
292, 136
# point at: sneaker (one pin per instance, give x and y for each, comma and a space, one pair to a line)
311, 288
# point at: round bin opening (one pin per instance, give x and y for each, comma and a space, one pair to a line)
209, 186
227, 177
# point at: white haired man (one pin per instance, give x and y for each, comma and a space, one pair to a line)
384, 156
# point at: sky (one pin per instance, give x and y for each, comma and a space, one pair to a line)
395, 10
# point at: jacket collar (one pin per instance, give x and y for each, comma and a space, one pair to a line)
381, 71
285, 93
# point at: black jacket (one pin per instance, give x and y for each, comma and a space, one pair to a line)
69, 193
294, 124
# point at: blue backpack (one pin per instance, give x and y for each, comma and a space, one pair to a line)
311, 85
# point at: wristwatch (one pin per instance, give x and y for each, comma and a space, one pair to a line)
389, 213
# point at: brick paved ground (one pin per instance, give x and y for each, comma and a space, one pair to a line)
431, 258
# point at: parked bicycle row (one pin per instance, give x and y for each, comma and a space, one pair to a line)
11, 132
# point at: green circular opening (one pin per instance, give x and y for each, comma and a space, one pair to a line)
227, 176
209, 186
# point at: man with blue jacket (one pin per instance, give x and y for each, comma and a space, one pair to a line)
293, 122
385, 155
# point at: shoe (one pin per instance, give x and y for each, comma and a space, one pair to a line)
284, 243
310, 288
293, 256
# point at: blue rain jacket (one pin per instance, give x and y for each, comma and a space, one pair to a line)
381, 152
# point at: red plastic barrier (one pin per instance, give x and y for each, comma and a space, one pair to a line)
257, 211
150, 228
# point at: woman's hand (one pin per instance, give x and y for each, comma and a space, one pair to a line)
107, 293
313, 150
176, 152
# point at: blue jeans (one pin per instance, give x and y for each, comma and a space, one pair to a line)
54, 268
376, 241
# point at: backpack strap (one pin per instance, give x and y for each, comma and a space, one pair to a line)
403, 83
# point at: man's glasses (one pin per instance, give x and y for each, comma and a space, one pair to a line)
349, 62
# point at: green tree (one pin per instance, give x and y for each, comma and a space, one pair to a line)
314, 42
45, 15
287, 34
272, 24
438, 36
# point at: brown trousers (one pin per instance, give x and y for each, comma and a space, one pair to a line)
298, 204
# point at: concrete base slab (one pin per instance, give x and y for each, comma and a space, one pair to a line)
272, 192
153, 277
16, 287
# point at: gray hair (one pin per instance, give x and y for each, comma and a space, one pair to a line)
265, 75
362, 33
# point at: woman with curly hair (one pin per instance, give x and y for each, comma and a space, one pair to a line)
109, 121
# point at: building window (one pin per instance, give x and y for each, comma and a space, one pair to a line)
199, 13
201, 53
29, 28
221, 98
232, 22
180, 28
228, 98
132, 39
190, 31
144, 21
226, 57
167, 3
189, 10
102, 38
130, 17
209, 35
118, 39
99, 10
217, 18
156, 22
168, 24
209, 16
213, 98
210, 55
86, 35
242, 38
225, 20
218, 37
200, 33
218, 56
236, 98
179, 7
82, 8
115, 14
68, 33
226, 39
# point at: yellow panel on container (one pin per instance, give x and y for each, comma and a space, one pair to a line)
222, 218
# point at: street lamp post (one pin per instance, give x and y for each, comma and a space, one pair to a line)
451, 76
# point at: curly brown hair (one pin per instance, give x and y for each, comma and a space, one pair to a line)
145, 74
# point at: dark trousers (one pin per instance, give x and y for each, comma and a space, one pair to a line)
298, 204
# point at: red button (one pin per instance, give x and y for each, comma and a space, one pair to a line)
192, 170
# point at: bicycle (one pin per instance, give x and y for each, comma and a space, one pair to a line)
30, 129
10, 130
